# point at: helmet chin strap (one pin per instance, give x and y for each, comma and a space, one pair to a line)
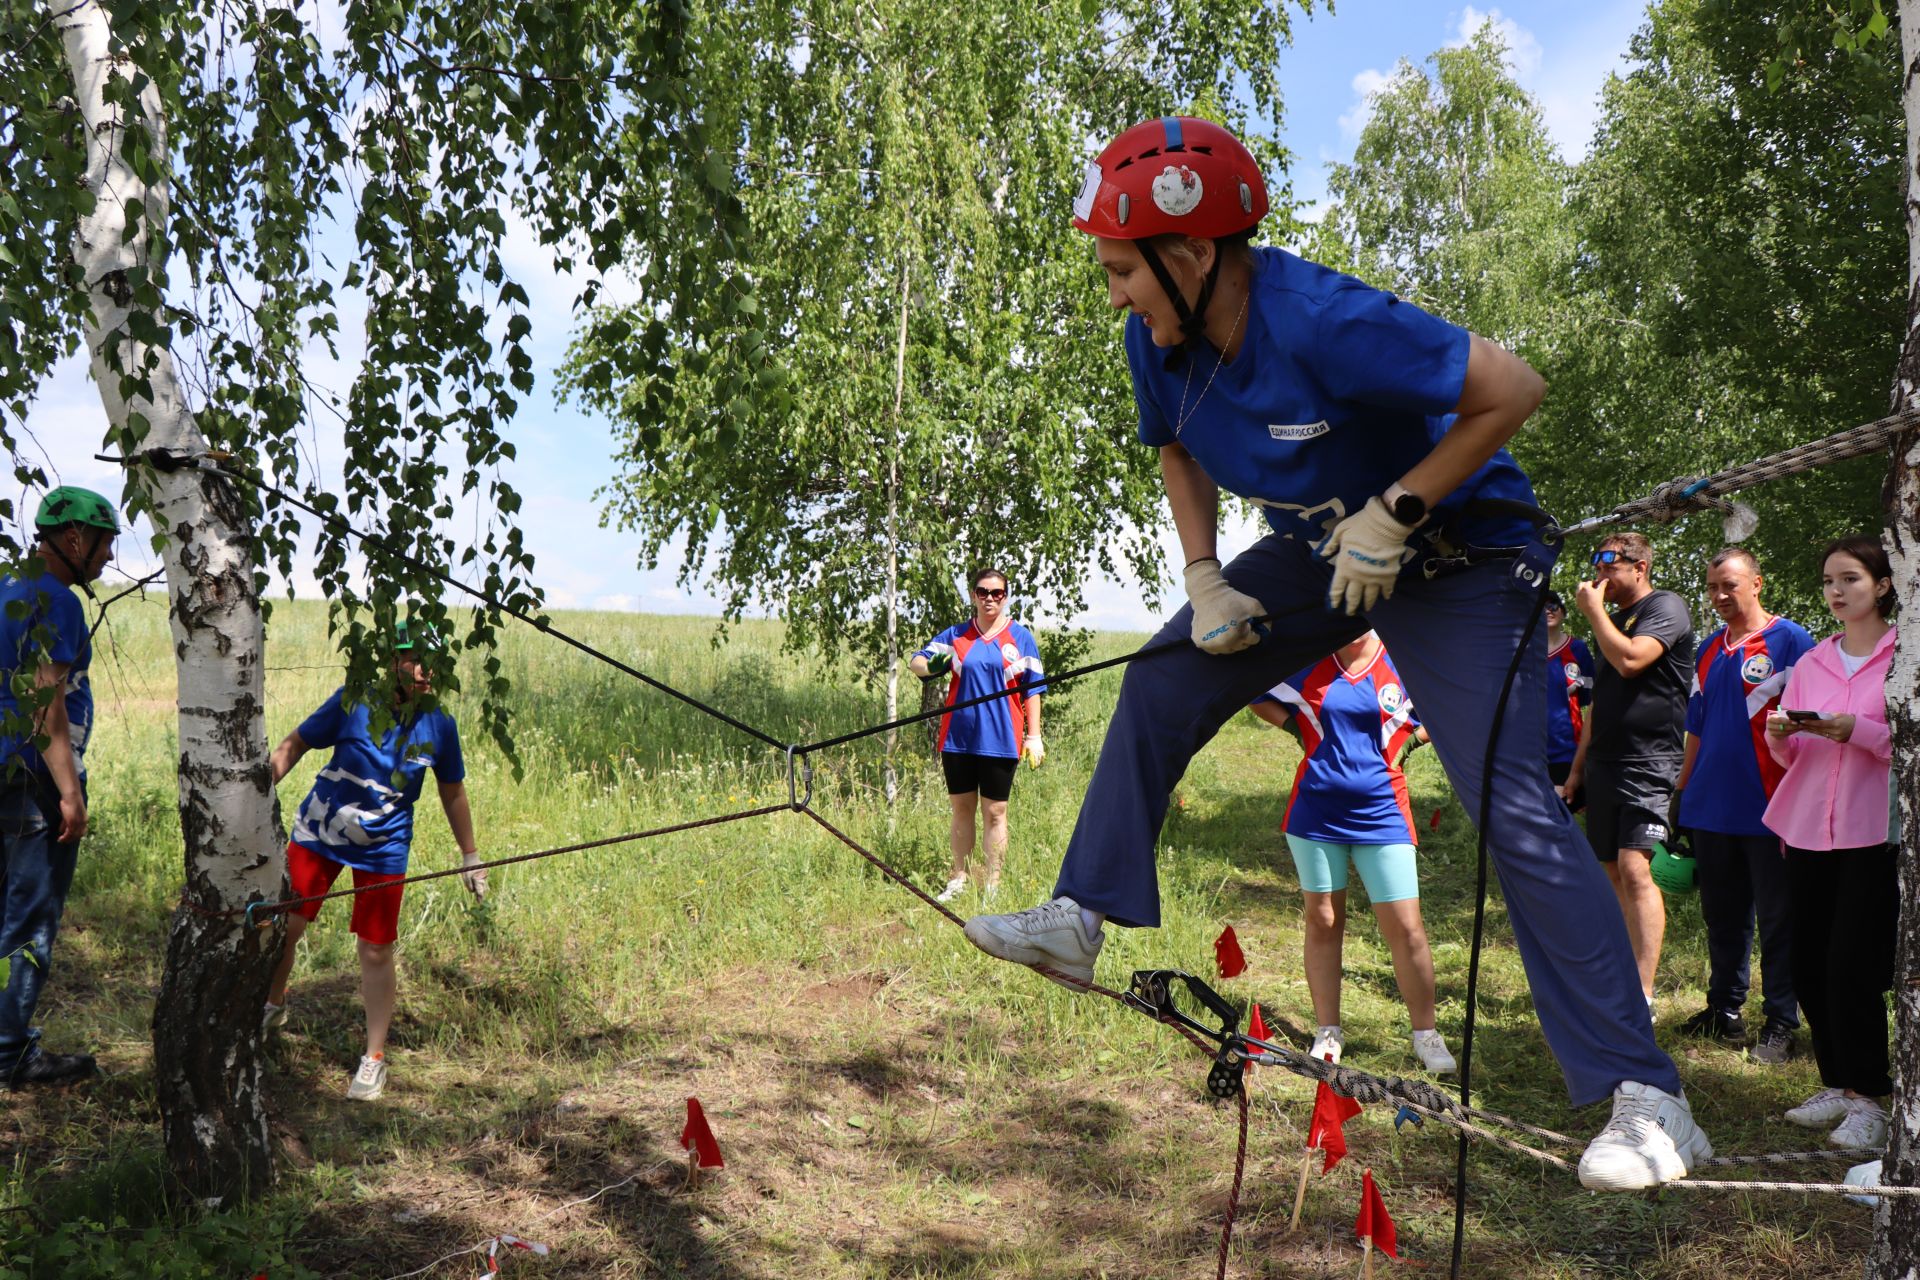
1193, 319
79, 578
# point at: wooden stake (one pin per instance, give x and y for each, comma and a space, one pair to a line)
1300, 1193
693, 1168
1366, 1264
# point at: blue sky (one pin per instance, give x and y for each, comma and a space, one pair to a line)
1560, 52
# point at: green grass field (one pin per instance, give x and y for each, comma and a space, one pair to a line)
890, 1102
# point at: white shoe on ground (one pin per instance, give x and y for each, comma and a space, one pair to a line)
1049, 938
272, 1016
1864, 1175
1823, 1109
370, 1081
952, 891
1431, 1049
1328, 1044
1864, 1129
1650, 1139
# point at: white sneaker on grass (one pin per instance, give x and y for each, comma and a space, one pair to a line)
1827, 1107
1863, 1129
1431, 1049
370, 1081
1049, 937
1328, 1044
1650, 1139
952, 891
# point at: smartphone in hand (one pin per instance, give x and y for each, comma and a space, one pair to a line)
1802, 716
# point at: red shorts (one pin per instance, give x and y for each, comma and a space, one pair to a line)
376, 913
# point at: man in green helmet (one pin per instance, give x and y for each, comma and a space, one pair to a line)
43, 790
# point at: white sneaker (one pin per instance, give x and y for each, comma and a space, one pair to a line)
1431, 1049
1864, 1129
272, 1016
1049, 938
1651, 1139
952, 891
1328, 1044
370, 1081
1864, 1175
1824, 1108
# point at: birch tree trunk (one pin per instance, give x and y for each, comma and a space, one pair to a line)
207, 1039
1896, 1243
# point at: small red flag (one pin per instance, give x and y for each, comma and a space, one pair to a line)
1433, 823
1330, 1111
1227, 954
697, 1137
1257, 1028
1374, 1222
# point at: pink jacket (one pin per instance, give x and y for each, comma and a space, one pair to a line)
1834, 795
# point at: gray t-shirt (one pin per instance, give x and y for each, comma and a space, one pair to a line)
1646, 717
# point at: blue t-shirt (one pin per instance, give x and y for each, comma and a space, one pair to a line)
1349, 788
47, 604
360, 811
1569, 691
1008, 659
1734, 689
1338, 390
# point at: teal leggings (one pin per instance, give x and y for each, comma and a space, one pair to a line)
1389, 871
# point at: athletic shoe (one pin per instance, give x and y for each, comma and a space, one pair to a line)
40, 1067
1864, 1129
1776, 1043
1049, 938
1864, 1175
273, 1016
370, 1081
952, 891
1651, 1139
1713, 1023
1328, 1043
1823, 1109
1431, 1049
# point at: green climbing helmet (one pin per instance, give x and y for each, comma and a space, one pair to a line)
70, 504
408, 637
1673, 868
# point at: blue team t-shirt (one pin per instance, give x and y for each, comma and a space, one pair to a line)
1349, 788
1569, 692
1734, 689
48, 605
360, 811
1008, 659
1338, 390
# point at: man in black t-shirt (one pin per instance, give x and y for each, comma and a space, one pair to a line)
1634, 741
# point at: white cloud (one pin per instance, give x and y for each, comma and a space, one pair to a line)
1365, 86
1524, 55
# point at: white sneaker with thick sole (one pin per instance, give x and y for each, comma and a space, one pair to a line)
1328, 1044
1864, 1129
1431, 1049
1650, 1139
952, 891
1049, 938
370, 1081
1823, 1110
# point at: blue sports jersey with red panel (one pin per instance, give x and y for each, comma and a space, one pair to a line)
1007, 659
1569, 692
1348, 789
360, 811
1734, 688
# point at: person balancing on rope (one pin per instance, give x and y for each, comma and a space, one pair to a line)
359, 814
1373, 436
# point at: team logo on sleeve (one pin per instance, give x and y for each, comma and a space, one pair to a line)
1756, 669
1177, 190
1572, 672
1010, 653
1391, 699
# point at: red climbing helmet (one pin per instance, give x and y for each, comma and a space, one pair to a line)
1173, 174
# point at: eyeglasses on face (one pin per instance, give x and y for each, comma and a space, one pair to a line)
991, 593
1610, 556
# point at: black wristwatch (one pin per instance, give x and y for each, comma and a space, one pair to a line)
1408, 508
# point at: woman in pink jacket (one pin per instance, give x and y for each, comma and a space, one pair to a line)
1830, 811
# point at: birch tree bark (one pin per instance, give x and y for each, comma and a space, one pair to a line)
207, 1038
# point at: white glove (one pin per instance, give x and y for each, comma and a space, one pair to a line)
473, 875
1036, 751
1222, 617
1367, 550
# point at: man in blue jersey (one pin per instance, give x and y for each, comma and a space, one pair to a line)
1373, 434
1569, 694
43, 789
1726, 779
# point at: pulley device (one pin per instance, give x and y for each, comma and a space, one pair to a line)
1151, 991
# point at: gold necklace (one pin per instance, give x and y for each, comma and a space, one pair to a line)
1185, 414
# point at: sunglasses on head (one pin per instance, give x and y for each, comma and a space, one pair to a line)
1611, 556
991, 593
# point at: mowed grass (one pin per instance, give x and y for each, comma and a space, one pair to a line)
890, 1102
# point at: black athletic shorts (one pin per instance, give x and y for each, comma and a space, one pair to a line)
1558, 771
1627, 803
991, 776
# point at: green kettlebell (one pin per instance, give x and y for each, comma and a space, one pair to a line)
1673, 868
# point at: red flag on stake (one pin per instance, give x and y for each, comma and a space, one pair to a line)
698, 1139
1433, 823
1227, 954
1330, 1111
1374, 1223
1257, 1028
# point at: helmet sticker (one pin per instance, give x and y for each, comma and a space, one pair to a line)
1083, 203
1177, 191
1756, 669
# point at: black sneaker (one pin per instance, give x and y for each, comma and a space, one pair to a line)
1777, 1043
51, 1068
1725, 1025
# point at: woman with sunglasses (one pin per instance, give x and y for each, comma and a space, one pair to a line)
981, 746
1373, 435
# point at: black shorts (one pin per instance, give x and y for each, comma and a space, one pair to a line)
991, 776
1627, 803
1558, 771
